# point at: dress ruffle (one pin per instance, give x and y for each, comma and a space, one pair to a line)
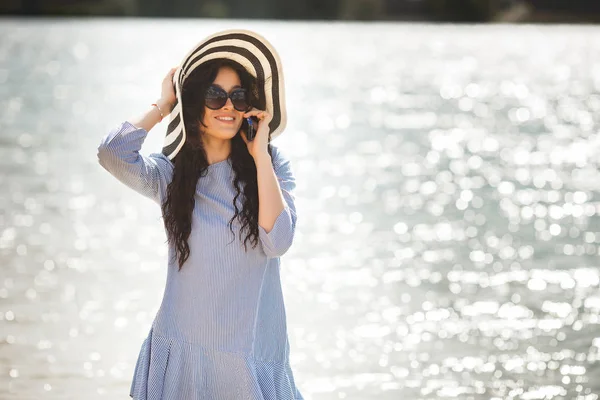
169, 369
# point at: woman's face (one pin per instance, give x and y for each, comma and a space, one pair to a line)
225, 122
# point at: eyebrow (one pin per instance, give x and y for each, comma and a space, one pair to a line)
233, 87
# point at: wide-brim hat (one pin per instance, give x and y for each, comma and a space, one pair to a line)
255, 54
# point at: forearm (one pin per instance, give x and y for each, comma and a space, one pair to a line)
270, 199
151, 116
119, 154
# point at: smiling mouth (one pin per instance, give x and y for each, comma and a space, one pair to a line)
226, 120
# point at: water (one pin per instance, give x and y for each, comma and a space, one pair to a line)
448, 195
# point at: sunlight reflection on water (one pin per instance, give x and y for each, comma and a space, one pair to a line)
448, 196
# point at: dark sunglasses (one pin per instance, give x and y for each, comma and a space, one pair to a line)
216, 98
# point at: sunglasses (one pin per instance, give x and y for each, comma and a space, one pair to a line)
216, 98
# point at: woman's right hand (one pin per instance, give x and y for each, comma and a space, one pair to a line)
167, 95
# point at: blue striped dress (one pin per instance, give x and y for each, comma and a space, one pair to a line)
220, 331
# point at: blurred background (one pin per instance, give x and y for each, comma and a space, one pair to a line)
383, 10
448, 240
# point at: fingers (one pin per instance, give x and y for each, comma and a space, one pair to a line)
171, 73
260, 114
253, 111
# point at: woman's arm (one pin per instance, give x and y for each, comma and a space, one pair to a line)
119, 154
152, 116
276, 203
119, 150
167, 100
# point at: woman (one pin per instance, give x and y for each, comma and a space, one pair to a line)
229, 215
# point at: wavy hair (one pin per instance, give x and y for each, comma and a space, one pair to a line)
191, 164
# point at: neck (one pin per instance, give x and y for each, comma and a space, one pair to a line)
217, 150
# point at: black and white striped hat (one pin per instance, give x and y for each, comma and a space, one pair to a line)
251, 51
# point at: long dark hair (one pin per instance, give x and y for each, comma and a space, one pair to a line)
191, 162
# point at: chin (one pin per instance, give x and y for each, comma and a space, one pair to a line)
229, 136
223, 134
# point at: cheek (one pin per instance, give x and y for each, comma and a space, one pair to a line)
209, 121
206, 118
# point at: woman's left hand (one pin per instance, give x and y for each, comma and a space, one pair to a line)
258, 145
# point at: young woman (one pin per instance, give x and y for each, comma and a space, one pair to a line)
229, 215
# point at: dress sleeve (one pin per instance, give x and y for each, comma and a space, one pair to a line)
119, 154
280, 238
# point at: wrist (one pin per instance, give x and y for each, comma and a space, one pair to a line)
262, 157
165, 106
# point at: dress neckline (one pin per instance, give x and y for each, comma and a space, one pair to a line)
217, 163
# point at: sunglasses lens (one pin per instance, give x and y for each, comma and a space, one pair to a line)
239, 99
215, 98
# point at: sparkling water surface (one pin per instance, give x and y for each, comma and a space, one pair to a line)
448, 240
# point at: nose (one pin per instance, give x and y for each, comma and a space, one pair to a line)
228, 104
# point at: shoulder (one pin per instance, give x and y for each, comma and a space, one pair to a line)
280, 158
282, 167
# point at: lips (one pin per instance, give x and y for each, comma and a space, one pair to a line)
225, 119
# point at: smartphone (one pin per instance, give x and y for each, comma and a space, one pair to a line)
250, 125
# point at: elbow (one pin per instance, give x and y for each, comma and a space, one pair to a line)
102, 153
279, 247
112, 154
105, 156
110, 158
120, 145
278, 240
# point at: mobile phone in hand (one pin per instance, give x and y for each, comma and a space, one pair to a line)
251, 124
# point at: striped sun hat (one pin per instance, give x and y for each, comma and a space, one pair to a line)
252, 52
